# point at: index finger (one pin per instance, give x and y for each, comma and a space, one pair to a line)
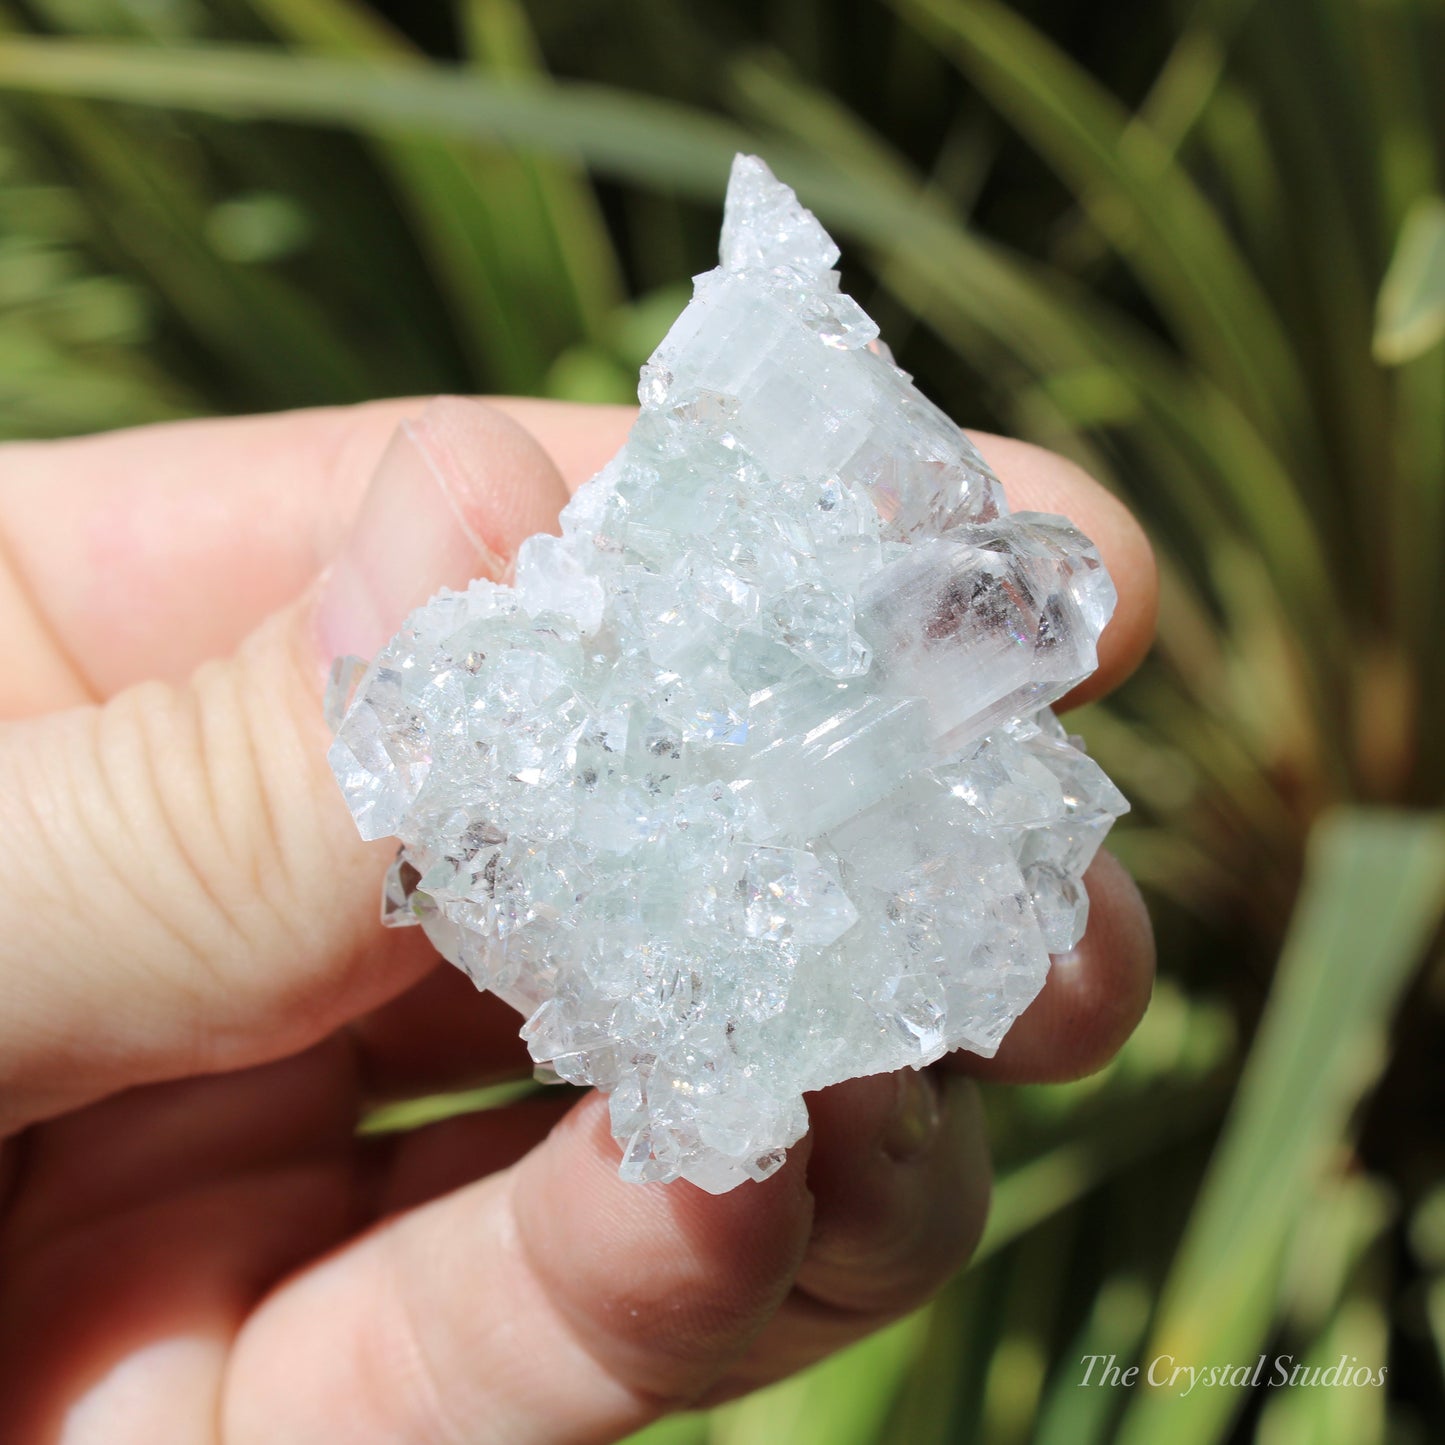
241, 513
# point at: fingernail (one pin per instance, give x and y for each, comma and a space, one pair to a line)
411, 537
916, 1118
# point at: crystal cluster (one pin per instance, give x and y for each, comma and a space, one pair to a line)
748, 783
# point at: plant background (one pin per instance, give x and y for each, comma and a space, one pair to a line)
1200, 247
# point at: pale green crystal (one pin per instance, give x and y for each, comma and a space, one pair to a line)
748, 784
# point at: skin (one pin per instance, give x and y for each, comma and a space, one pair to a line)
198, 1002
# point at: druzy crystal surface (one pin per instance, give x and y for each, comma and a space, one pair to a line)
748, 783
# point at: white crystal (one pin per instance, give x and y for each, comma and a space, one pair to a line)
748, 785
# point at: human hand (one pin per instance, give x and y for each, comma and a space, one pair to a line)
199, 1001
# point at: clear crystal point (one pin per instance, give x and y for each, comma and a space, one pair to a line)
748, 784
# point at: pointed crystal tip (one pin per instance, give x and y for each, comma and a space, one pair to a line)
765, 227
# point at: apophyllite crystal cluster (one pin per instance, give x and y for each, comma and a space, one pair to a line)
748, 783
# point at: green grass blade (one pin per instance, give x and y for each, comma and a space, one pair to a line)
843, 1401
1074, 1414
569, 220
636, 137
1373, 895
1189, 78
691, 1429
1339, 1271
1140, 197
653, 142
499, 229
1037, 1189
1184, 90
1419, 526
1435, 1310
416, 1113
1410, 313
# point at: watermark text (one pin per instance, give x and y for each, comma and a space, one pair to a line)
1165, 1372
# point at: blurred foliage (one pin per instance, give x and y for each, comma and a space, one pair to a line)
1198, 247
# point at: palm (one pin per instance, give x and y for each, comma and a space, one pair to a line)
167, 1213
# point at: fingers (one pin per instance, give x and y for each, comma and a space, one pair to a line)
900, 1176
119, 1334
148, 551
897, 1163
554, 1303
196, 895
442, 1033
549, 1303
164, 1140
420, 1165
140, 554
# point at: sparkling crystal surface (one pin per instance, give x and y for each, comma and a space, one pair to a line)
749, 784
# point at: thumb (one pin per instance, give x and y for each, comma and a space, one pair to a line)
188, 892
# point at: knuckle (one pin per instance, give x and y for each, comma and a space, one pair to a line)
174, 829
252, 797
664, 1329
152, 803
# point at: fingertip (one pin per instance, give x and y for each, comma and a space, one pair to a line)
580, 437
1038, 480
457, 491
550, 1302
502, 481
665, 1283
901, 1178
1093, 997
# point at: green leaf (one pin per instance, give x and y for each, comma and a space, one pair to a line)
1410, 312
1140, 197
514, 240
257, 227
633, 136
689, 1429
1072, 1414
1037, 1189
415, 1113
843, 1401
1373, 895
1339, 1253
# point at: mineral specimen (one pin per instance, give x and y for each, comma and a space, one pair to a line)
748, 783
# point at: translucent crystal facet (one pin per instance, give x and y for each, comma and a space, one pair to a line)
748, 784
